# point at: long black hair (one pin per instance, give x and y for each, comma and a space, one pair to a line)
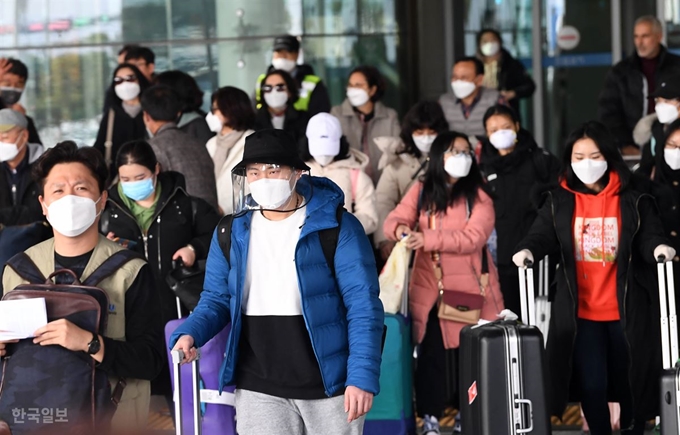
436, 193
141, 79
425, 114
606, 143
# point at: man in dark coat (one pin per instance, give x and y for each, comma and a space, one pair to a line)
176, 150
626, 96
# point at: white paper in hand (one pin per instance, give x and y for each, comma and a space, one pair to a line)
20, 318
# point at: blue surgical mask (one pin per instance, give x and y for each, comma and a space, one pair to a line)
138, 190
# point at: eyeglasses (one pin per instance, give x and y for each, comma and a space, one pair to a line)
119, 80
268, 88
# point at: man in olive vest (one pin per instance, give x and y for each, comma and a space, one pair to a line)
313, 93
73, 183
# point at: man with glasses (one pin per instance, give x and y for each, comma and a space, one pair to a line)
313, 95
306, 329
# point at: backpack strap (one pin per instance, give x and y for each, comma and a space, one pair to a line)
224, 236
329, 239
110, 266
26, 268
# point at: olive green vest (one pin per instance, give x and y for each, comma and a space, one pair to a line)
133, 408
305, 93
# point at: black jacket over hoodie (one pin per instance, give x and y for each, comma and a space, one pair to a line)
125, 129
512, 179
179, 220
637, 294
622, 101
294, 123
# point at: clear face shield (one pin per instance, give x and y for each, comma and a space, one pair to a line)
265, 186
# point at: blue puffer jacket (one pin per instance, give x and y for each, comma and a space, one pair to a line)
344, 316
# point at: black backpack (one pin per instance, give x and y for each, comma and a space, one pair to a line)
50, 386
328, 237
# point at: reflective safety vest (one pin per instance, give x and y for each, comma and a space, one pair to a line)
309, 83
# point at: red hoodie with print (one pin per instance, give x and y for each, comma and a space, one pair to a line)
596, 230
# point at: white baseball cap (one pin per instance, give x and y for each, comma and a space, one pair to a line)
323, 134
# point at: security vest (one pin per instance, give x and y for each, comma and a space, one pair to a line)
309, 83
133, 408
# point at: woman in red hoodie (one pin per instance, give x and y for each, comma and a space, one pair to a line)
603, 341
448, 218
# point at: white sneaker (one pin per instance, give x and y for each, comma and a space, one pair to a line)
430, 425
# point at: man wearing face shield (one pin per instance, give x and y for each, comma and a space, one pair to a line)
305, 342
73, 196
313, 95
13, 76
18, 192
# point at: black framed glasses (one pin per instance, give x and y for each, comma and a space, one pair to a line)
269, 88
119, 80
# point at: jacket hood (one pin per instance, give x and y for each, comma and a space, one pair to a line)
35, 150
642, 133
356, 160
320, 193
393, 149
188, 117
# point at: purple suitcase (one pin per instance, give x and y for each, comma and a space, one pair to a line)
216, 411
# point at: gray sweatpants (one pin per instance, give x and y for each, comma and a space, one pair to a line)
261, 414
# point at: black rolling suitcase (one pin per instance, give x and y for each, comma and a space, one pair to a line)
670, 379
502, 385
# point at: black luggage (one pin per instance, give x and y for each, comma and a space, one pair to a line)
502, 384
670, 379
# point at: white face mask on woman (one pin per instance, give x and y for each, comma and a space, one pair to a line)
214, 123
666, 112
672, 158
458, 166
490, 48
589, 171
72, 215
357, 97
127, 91
424, 142
503, 139
276, 99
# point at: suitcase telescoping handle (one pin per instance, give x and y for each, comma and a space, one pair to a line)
527, 295
520, 402
177, 357
669, 331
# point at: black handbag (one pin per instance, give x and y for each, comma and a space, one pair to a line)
187, 282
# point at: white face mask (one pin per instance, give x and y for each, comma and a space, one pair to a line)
424, 142
284, 64
9, 151
357, 96
490, 48
324, 160
589, 171
458, 166
72, 215
462, 89
666, 112
276, 99
127, 91
672, 158
214, 123
271, 193
503, 139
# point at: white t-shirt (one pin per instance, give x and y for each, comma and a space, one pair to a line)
271, 287
278, 121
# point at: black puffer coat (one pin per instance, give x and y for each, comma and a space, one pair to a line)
179, 220
637, 294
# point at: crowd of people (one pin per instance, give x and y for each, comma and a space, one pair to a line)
460, 179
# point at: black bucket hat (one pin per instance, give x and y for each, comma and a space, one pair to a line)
271, 146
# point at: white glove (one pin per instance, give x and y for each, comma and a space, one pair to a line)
666, 251
523, 255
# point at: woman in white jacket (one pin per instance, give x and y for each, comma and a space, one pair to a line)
232, 117
328, 154
404, 159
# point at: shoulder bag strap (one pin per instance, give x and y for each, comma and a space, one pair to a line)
108, 145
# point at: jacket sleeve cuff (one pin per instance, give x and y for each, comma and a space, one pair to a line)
110, 350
